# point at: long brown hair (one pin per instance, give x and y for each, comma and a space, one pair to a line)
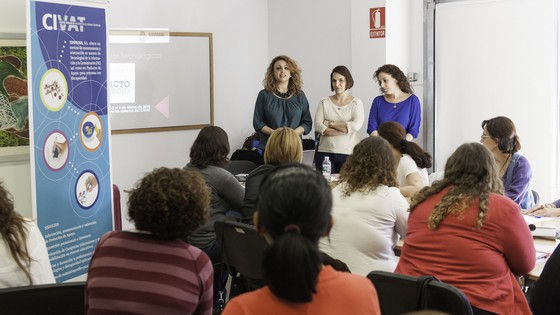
211, 147
397, 74
470, 172
502, 129
370, 165
14, 232
294, 85
395, 134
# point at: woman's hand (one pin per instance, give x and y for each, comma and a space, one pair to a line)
546, 210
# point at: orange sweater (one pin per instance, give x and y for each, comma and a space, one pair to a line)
337, 293
480, 262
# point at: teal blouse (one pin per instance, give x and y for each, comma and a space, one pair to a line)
276, 112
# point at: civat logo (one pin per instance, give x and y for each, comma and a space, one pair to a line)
65, 23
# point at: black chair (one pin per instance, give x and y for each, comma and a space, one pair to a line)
242, 248
59, 298
240, 167
536, 197
400, 294
247, 155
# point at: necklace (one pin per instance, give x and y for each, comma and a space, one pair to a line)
283, 95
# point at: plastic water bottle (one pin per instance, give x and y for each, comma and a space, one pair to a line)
327, 168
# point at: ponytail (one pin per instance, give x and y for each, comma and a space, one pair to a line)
291, 267
422, 158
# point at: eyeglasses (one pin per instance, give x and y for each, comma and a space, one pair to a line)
483, 136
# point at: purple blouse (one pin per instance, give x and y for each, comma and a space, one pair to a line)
407, 113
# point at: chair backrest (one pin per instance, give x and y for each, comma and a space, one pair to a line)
242, 248
536, 197
240, 167
400, 294
58, 298
117, 208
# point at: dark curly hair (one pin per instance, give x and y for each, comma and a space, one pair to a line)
211, 147
397, 74
294, 85
14, 232
169, 203
395, 134
503, 131
370, 165
470, 173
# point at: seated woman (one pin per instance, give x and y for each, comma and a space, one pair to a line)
464, 232
500, 137
283, 147
150, 270
369, 211
24, 259
410, 158
546, 210
293, 212
209, 156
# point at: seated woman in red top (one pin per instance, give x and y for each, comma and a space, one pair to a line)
463, 231
293, 212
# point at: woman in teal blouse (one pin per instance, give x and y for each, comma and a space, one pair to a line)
281, 103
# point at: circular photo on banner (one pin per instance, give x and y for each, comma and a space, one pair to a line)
87, 189
91, 131
53, 90
55, 150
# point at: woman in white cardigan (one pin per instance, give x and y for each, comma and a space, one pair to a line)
338, 119
369, 212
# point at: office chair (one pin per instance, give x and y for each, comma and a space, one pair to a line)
242, 248
536, 197
58, 298
400, 294
240, 167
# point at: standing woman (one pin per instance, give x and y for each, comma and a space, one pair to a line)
24, 259
396, 104
338, 119
410, 158
500, 137
281, 103
464, 232
293, 212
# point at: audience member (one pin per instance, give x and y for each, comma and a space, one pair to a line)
24, 259
396, 104
151, 270
410, 158
281, 103
283, 147
293, 212
208, 156
338, 119
369, 212
544, 293
546, 210
464, 232
500, 137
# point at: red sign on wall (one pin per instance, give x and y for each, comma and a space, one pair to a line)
377, 22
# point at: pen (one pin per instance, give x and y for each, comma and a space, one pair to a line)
538, 216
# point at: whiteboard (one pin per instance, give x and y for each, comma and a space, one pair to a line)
499, 58
159, 80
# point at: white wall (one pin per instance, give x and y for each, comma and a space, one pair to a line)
316, 33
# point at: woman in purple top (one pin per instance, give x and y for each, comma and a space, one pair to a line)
500, 137
396, 104
546, 210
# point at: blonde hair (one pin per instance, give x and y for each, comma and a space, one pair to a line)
294, 85
283, 146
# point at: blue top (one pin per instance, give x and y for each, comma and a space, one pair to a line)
557, 203
407, 113
276, 112
517, 182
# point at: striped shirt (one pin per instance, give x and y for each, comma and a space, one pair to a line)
136, 273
